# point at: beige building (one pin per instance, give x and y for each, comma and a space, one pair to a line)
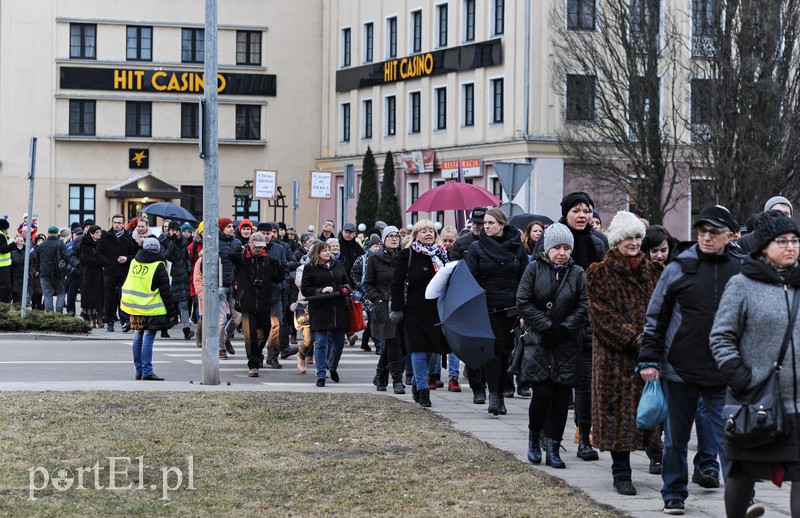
111, 88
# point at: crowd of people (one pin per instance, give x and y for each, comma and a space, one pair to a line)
582, 316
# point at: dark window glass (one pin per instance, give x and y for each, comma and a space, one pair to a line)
442, 18
82, 41
81, 202
248, 47
346, 44
193, 45
367, 119
415, 111
391, 31
246, 212
497, 100
704, 26
702, 98
139, 43
441, 108
499, 16
580, 98
138, 119
391, 115
193, 202
580, 15
369, 42
416, 31
190, 120
413, 195
81, 117
469, 105
346, 122
469, 25
248, 122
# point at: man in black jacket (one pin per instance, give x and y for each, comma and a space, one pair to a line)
116, 249
462, 244
51, 253
255, 274
227, 244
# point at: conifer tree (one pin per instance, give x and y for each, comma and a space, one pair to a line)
367, 207
389, 206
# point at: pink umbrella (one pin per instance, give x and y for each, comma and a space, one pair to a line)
454, 196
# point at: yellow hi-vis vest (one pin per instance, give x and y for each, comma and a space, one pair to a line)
137, 296
5, 259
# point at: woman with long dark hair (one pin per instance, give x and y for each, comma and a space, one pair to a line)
92, 281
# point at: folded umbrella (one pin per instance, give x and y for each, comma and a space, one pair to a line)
465, 318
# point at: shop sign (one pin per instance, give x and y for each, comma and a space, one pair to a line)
415, 162
470, 167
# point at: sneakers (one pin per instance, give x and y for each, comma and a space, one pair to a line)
126, 326
708, 479
229, 346
673, 507
754, 510
452, 385
223, 355
289, 351
110, 327
252, 373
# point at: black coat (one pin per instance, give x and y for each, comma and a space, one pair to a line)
254, 276
92, 270
420, 315
177, 253
50, 251
109, 248
546, 360
17, 269
497, 264
350, 250
226, 246
327, 312
461, 246
377, 283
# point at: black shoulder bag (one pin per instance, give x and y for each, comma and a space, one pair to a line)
758, 418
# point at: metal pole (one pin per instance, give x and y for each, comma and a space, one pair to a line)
295, 202
211, 204
31, 177
527, 70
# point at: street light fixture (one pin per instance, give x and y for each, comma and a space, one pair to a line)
245, 194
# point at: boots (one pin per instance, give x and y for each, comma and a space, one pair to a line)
494, 403
501, 407
424, 397
381, 378
437, 378
534, 448
553, 457
396, 370
188, 334
432, 381
198, 337
585, 450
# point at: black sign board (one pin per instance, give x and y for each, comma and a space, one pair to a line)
138, 158
164, 81
443, 61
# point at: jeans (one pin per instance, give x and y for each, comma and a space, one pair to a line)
681, 401
703, 459
183, 306
435, 364
53, 286
227, 327
328, 352
143, 351
112, 286
419, 364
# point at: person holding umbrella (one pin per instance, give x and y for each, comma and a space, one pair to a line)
414, 267
497, 260
552, 301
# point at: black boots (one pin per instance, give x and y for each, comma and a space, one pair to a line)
396, 370
534, 448
494, 403
553, 459
624, 486
424, 397
502, 406
479, 396
381, 379
585, 450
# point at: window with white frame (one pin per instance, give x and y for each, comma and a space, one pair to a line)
469, 20
415, 112
391, 115
468, 112
440, 104
369, 42
391, 37
498, 17
82, 41
413, 195
81, 202
347, 44
416, 32
497, 86
367, 110
346, 122
644, 18
441, 25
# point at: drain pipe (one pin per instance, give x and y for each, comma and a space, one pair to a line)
527, 68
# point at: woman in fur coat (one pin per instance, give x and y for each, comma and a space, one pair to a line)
619, 289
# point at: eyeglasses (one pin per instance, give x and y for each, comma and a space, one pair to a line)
784, 242
393, 236
711, 232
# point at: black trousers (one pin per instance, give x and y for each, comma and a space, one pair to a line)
549, 408
73, 287
112, 286
583, 393
621, 464
255, 327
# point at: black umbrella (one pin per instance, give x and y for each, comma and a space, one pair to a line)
168, 210
521, 221
465, 318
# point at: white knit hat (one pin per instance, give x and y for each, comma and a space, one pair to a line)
624, 225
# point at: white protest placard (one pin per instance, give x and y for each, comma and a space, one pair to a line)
320, 184
265, 184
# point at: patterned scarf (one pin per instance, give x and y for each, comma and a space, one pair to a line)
437, 253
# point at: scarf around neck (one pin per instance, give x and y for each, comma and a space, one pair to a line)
139, 238
437, 253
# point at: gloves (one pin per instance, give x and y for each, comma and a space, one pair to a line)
344, 291
557, 334
395, 317
739, 376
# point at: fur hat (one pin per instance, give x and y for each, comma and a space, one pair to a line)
557, 234
771, 224
151, 244
624, 225
224, 222
388, 230
778, 200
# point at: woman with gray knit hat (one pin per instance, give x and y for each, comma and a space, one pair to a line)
746, 339
619, 290
552, 301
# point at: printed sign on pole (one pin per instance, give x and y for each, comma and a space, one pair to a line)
320, 184
265, 184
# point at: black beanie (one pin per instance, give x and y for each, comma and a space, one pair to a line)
572, 199
4, 224
770, 225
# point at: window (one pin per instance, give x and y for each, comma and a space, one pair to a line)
439, 215
413, 195
414, 103
248, 122
81, 117
704, 25
391, 115
416, 32
369, 42
346, 122
497, 101
82, 41
580, 15
193, 201
81, 202
644, 23
367, 119
580, 97
440, 94
138, 119
499, 16
640, 100
248, 47
192, 45
190, 120
346, 47
469, 20
246, 212
469, 104
441, 21
391, 37
139, 43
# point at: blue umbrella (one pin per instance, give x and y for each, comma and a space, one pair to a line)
465, 318
168, 210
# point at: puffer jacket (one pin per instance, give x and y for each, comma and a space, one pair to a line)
543, 361
177, 253
498, 264
227, 245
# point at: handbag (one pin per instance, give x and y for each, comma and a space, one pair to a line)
652, 409
355, 316
758, 418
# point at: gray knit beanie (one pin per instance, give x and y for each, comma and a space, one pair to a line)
777, 200
557, 234
388, 230
151, 244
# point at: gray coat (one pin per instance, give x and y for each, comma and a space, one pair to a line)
746, 338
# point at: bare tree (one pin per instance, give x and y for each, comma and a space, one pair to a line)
625, 125
745, 100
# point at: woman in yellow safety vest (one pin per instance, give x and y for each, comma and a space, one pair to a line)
146, 297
